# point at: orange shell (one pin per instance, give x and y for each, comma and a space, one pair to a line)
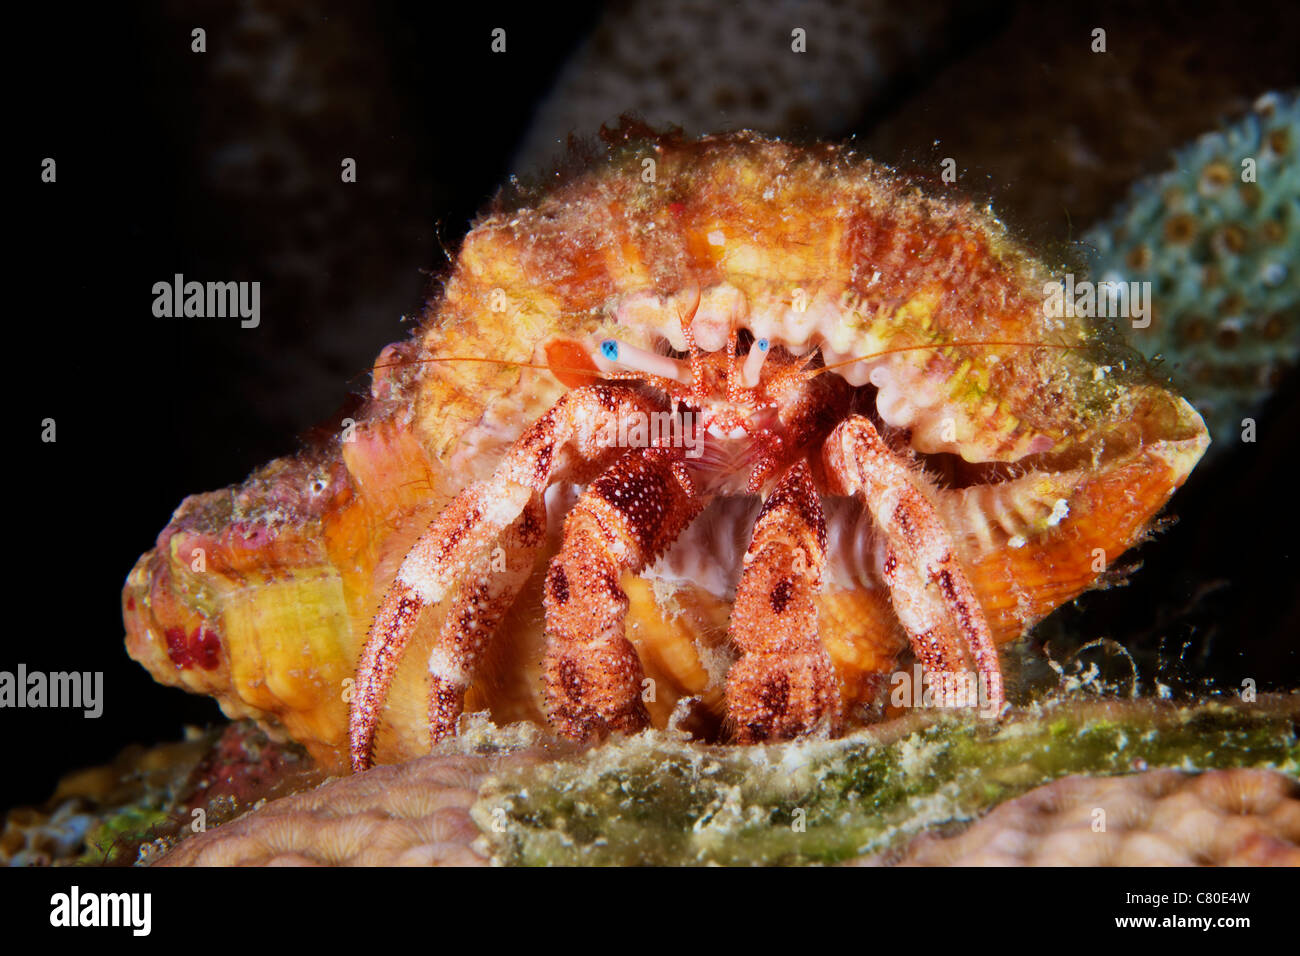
1048, 464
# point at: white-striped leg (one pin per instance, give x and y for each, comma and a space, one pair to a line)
931, 593
571, 440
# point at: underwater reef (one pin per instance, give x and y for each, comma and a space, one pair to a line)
1156, 818
1206, 783
652, 800
1192, 775
148, 799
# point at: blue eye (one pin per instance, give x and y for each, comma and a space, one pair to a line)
762, 345
609, 349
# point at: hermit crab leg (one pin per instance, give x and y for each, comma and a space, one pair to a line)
573, 436
784, 684
932, 596
622, 522
479, 606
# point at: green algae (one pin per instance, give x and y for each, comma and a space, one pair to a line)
658, 799
117, 839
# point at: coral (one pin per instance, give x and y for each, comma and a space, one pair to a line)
710, 68
242, 768
279, 94
94, 814
1055, 132
35, 838
1159, 818
412, 814
149, 798
512, 797
1218, 242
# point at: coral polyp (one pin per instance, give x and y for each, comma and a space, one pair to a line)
1216, 236
875, 435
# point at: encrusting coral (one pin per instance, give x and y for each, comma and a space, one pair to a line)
513, 798
1233, 817
410, 814
415, 813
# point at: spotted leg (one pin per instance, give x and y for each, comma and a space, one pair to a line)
572, 440
931, 593
784, 684
481, 601
622, 522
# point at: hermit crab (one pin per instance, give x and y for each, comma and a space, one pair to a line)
710, 430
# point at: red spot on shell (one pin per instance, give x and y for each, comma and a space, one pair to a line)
676, 208
130, 603
178, 648
255, 536
205, 648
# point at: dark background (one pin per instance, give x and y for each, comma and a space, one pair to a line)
150, 410
170, 162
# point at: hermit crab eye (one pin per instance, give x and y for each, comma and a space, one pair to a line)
754, 362
639, 360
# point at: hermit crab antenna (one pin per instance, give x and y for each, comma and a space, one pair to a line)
754, 362
972, 344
